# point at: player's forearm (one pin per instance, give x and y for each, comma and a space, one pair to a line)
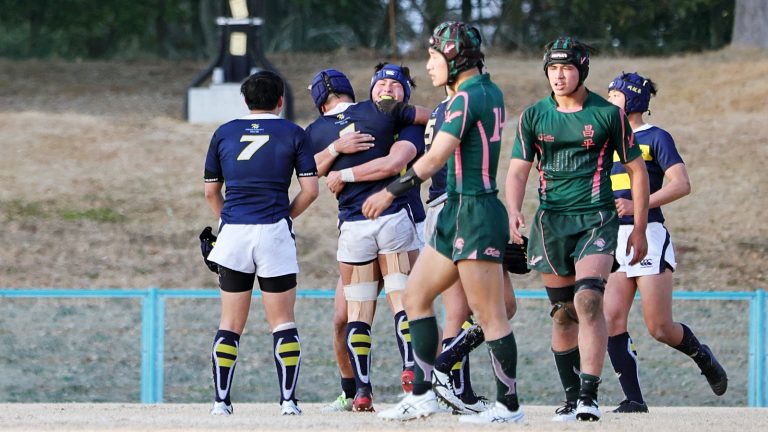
306, 196
394, 163
324, 160
514, 186
214, 197
677, 186
422, 115
638, 177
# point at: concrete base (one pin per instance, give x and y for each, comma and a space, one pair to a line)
218, 103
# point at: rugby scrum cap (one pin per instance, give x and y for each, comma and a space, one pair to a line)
567, 50
390, 71
329, 81
637, 91
460, 44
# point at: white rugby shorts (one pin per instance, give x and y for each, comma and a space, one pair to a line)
660, 255
363, 240
433, 211
418, 239
268, 250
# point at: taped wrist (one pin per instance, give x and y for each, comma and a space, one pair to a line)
405, 183
347, 176
332, 150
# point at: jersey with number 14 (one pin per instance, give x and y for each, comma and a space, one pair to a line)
475, 115
575, 152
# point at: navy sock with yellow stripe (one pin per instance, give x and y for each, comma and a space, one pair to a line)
287, 350
224, 359
359, 350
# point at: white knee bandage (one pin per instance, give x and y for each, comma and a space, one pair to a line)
284, 326
394, 282
361, 291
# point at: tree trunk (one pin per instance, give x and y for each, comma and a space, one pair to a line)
392, 27
750, 26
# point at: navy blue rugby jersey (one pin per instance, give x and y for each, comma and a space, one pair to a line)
366, 118
255, 156
659, 153
437, 187
415, 135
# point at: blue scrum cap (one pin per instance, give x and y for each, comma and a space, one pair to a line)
329, 81
637, 91
390, 71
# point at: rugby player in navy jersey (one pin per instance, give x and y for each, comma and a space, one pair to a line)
367, 252
653, 275
256, 156
389, 84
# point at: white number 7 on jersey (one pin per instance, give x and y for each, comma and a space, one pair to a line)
257, 141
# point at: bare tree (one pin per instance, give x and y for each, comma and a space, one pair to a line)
750, 25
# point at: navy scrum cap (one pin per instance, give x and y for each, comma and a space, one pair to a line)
637, 91
390, 71
329, 81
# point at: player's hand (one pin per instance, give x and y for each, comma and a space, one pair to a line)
353, 142
375, 205
625, 207
637, 244
516, 221
334, 182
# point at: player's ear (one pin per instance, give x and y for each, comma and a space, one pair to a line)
280, 102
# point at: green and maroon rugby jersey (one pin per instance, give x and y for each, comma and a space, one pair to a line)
575, 152
476, 116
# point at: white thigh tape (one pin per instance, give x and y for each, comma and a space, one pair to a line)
361, 291
394, 282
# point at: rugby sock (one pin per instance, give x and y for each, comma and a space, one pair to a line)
691, 347
348, 386
403, 337
589, 384
223, 360
359, 350
568, 364
287, 350
504, 360
467, 340
425, 342
621, 350
460, 377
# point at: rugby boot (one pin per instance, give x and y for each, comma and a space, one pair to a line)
363, 401
406, 380
497, 413
715, 374
566, 413
412, 407
587, 410
631, 407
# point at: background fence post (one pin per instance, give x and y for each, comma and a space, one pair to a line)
159, 362
762, 355
148, 346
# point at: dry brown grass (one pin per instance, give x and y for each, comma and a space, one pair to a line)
103, 177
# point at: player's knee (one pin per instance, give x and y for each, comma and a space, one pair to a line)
363, 285
398, 267
589, 297
563, 313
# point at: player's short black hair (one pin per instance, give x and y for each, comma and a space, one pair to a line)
263, 90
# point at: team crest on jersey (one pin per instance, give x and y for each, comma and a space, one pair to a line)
254, 129
492, 251
588, 133
546, 138
341, 119
459, 244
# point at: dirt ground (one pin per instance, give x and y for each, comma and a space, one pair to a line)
104, 190
263, 417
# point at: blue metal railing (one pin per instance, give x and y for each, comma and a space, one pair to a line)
153, 327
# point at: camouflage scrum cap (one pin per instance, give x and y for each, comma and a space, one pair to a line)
637, 91
567, 50
460, 44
